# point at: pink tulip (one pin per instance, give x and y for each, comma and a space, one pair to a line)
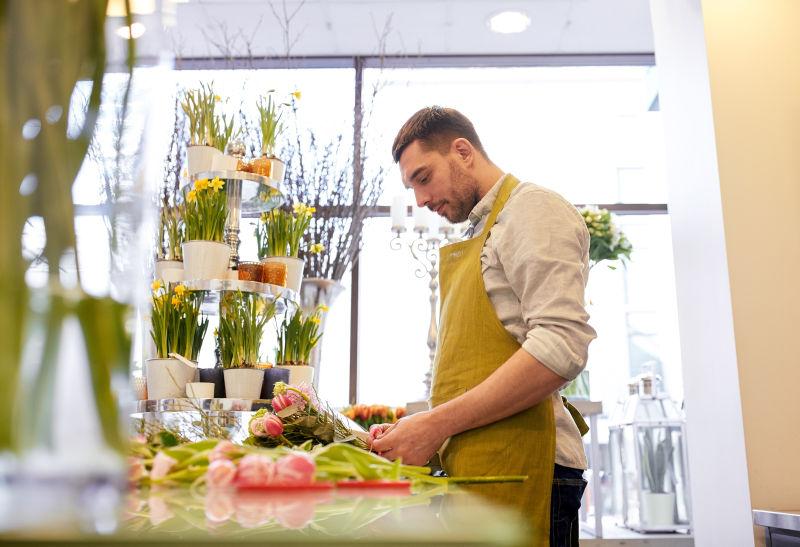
272, 425
254, 471
220, 473
159, 510
136, 470
257, 427
219, 506
279, 402
222, 451
162, 464
295, 469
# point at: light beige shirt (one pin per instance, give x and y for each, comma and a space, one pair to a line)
535, 266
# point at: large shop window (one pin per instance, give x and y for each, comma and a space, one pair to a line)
591, 133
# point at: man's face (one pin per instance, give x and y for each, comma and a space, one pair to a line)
440, 182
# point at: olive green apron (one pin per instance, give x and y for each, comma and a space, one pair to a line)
472, 344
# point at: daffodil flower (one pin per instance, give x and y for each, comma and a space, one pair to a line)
315, 319
264, 217
176, 301
180, 289
323, 308
217, 184
156, 285
201, 184
316, 248
191, 196
296, 94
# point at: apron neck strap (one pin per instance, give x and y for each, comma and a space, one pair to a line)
506, 187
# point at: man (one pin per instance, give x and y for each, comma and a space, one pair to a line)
513, 329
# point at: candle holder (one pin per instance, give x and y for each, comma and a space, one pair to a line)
424, 249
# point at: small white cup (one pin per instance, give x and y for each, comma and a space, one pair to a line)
200, 390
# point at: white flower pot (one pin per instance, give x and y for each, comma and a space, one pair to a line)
167, 378
658, 509
294, 270
169, 271
277, 169
224, 162
243, 383
205, 260
201, 158
299, 374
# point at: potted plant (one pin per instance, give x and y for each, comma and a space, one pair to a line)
658, 495
279, 236
270, 112
297, 336
198, 105
169, 261
242, 319
176, 327
205, 255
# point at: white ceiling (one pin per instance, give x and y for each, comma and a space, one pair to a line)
219, 28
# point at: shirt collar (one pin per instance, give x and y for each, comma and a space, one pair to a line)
484, 206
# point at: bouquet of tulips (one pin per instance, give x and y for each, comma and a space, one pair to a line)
220, 464
298, 417
367, 415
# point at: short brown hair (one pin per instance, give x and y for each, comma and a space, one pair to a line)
436, 128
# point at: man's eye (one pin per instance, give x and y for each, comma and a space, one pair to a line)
423, 180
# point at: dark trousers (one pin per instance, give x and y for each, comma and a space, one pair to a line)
565, 500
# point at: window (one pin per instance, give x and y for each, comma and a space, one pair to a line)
584, 131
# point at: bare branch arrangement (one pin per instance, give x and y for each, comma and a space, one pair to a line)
322, 176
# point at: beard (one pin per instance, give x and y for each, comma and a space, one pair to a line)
464, 196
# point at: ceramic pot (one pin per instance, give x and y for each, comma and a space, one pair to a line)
200, 158
167, 378
271, 377
205, 260
299, 374
243, 383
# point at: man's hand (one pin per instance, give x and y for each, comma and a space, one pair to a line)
415, 439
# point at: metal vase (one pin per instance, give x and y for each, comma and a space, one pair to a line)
318, 292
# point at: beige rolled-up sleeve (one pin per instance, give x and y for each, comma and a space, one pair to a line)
543, 249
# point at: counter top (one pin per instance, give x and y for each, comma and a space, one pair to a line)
785, 520
434, 515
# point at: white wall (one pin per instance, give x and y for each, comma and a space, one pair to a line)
730, 82
720, 495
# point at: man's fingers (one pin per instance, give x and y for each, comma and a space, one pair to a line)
384, 442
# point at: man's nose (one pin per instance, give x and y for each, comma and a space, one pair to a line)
422, 198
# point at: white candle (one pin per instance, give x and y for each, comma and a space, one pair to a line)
399, 212
420, 219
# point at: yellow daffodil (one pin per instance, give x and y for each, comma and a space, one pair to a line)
264, 217
191, 196
298, 207
316, 248
156, 285
217, 98
296, 94
176, 301
315, 319
200, 184
217, 184
180, 289
323, 308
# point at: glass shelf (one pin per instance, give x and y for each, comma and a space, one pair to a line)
259, 193
214, 287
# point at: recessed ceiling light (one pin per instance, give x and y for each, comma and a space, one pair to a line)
135, 31
509, 22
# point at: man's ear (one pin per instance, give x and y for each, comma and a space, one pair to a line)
463, 149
